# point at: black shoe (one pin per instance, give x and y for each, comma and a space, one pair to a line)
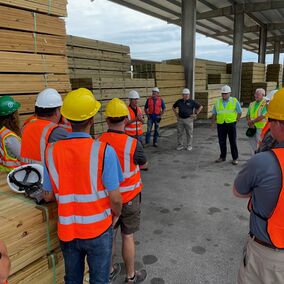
139, 277
220, 160
114, 273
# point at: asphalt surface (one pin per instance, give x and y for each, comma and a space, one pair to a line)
192, 228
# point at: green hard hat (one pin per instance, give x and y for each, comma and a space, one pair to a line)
8, 105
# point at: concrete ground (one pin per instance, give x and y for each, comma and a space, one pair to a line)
192, 229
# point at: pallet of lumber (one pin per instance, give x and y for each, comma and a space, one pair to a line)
224, 79
213, 67
88, 58
274, 73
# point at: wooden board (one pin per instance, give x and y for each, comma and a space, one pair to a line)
57, 8
19, 41
22, 20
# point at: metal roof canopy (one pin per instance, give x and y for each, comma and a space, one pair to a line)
255, 25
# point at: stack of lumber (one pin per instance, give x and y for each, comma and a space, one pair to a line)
106, 89
29, 231
223, 79
251, 73
267, 86
169, 78
214, 67
207, 100
274, 74
89, 58
32, 50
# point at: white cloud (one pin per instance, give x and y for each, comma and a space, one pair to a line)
148, 38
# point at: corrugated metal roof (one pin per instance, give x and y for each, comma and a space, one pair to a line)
215, 18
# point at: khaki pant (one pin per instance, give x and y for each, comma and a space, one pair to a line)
261, 265
185, 124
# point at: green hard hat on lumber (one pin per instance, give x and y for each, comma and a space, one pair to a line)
8, 105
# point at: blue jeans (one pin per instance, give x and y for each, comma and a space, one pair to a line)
150, 124
98, 252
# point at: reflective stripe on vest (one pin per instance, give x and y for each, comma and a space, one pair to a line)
124, 147
254, 113
275, 223
264, 130
134, 128
154, 108
83, 203
7, 163
227, 114
35, 139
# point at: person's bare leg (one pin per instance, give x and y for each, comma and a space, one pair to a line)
128, 253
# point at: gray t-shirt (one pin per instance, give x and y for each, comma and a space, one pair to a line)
57, 133
262, 177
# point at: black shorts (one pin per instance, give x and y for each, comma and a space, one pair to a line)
129, 220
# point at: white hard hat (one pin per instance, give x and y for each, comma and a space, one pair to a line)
270, 95
186, 91
25, 177
226, 89
156, 90
133, 95
48, 98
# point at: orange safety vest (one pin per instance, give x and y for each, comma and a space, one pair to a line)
154, 108
64, 123
35, 139
134, 128
7, 163
275, 223
263, 133
75, 166
124, 147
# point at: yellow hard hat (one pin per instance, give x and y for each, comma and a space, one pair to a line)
275, 109
79, 105
116, 108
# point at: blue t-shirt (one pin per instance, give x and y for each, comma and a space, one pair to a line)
225, 102
112, 173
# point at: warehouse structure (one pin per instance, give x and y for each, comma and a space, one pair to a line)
254, 25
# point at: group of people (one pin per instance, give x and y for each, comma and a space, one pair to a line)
106, 193
96, 183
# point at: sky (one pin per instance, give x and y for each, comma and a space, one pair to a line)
149, 38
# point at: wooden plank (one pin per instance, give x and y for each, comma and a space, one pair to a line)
32, 63
17, 41
95, 44
22, 20
21, 84
57, 8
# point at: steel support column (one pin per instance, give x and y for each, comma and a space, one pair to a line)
188, 33
262, 44
237, 51
276, 54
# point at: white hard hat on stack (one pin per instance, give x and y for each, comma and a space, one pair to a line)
133, 95
48, 98
226, 89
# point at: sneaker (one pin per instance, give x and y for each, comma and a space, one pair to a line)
235, 162
220, 160
114, 273
139, 277
155, 144
188, 148
179, 148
